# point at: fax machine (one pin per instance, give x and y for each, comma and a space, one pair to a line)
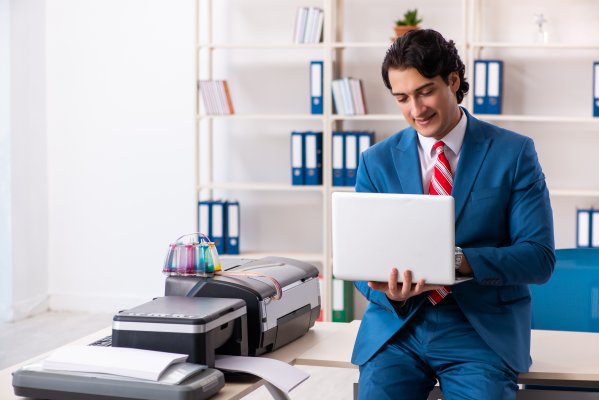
271, 322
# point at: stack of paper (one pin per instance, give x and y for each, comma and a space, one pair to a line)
134, 363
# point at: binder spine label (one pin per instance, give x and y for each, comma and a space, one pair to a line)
596, 89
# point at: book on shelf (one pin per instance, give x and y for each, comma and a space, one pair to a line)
308, 25
216, 97
348, 96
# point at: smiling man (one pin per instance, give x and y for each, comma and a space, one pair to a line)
473, 338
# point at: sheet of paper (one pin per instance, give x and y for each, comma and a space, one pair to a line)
135, 363
280, 374
174, 375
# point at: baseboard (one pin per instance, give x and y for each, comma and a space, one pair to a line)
24, 308
94, 303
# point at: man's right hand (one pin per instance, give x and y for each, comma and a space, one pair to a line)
402, 291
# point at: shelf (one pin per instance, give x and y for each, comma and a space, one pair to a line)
315, 117
261, 186
399, 117
538, 46
258, 46
318, 257
368, 117
535, 118
370, 45
333, 189
573, 193
367, 45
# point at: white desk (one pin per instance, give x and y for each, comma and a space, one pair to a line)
560, 359
232, 389
564, 359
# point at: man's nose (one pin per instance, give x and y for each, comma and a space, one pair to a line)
418, 108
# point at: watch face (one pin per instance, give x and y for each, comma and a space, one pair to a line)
458, 258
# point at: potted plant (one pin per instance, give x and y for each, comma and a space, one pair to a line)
409, 22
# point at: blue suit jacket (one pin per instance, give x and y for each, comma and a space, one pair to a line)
503, 224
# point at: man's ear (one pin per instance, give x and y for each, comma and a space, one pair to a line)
454, 81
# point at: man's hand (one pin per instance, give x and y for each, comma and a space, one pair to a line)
402, 291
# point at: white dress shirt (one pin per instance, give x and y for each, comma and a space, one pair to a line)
453, 145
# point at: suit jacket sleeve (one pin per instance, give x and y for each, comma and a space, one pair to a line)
527, 254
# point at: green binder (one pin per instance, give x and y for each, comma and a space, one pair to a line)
343, 301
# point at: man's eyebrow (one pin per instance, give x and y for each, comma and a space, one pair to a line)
415, 90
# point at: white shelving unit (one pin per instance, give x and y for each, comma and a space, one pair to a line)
338, 41
567, 162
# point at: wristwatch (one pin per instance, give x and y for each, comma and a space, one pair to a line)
459, 255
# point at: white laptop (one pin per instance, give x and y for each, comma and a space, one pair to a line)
373, 232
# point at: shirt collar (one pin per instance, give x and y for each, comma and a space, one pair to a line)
453, 140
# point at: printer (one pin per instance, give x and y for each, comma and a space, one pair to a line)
272, 322
198, 327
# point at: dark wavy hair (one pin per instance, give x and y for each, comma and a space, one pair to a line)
428, 52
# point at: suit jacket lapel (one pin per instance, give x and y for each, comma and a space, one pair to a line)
474, 150
407, 163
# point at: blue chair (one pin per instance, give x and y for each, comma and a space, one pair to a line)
570, 300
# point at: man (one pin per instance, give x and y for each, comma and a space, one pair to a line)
475, 339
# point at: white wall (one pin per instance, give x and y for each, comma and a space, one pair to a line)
120, 147
23, 159
5, 217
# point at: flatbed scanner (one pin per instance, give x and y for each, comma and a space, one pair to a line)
271, 322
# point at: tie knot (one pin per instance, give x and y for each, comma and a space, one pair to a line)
439, 147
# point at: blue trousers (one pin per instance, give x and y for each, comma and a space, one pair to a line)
437, 343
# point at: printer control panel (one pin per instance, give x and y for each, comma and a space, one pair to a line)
159, 315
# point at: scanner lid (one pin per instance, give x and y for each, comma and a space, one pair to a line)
183, 310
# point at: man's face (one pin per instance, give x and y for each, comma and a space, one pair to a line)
429, 105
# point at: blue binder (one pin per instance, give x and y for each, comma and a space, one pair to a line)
313, 158
480, 87
338, 158
365, 140
595, 228
316, 87
232, 231
584, 221
297, 158
494, 86
596, 89
351, 158
204, 217
217, 225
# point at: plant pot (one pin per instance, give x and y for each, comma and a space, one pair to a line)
403, 29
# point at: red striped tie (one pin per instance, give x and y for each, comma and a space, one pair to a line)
441, 184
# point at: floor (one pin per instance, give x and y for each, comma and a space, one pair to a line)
27, 338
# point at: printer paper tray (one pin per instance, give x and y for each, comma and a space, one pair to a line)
62, 386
